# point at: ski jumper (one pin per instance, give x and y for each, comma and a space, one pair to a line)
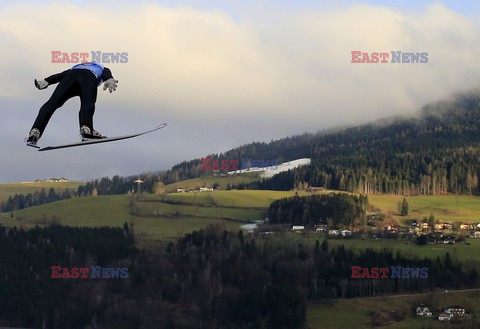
81, 80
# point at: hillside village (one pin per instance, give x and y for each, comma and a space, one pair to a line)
441, 233
445, 314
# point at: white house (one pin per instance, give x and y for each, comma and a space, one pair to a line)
467, 226
448, 226
449, 239
346, 232
298, 227
58, 180
334, 232
423, 310
321, 228
444, 317
454, 310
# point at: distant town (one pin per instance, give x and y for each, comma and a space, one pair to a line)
52, 180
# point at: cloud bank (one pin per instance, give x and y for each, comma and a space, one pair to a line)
220, 79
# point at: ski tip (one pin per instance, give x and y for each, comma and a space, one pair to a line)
161, 125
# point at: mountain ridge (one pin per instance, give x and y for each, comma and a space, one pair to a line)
435, 151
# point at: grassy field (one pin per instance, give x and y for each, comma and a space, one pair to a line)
444, 207
168, 221
115, 211
171, 216
458, 251
169, 210
232, 198
241, 205
156, 218
87, 211
7, 190
354, 313
208, 181
150, 231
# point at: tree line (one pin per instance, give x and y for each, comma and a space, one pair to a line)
336, 209
120, 185
20, 201
210, 278
104, 186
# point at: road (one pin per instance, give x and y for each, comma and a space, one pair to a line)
419, 294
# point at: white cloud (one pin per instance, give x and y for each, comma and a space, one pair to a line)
222, 81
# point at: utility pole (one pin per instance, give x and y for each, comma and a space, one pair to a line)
138, 181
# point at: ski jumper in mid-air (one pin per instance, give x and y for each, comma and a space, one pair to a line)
81, 80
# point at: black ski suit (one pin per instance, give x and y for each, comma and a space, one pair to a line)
71, 83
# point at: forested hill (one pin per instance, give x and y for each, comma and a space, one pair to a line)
285, 149
438, 151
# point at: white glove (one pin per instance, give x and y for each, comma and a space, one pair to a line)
41, 84
111, 84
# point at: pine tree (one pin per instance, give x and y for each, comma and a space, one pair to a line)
404, 211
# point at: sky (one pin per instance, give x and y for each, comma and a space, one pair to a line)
221, 74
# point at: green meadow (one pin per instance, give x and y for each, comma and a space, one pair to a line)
7, 190
231, 198
461, 208
159, 208
450, 208
354, 313
153, 216
167, 217
184, 212
459, 251
86, 211
155, 220
208, 181
444, 207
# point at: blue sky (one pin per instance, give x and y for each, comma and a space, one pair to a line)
464, 7
222, 73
